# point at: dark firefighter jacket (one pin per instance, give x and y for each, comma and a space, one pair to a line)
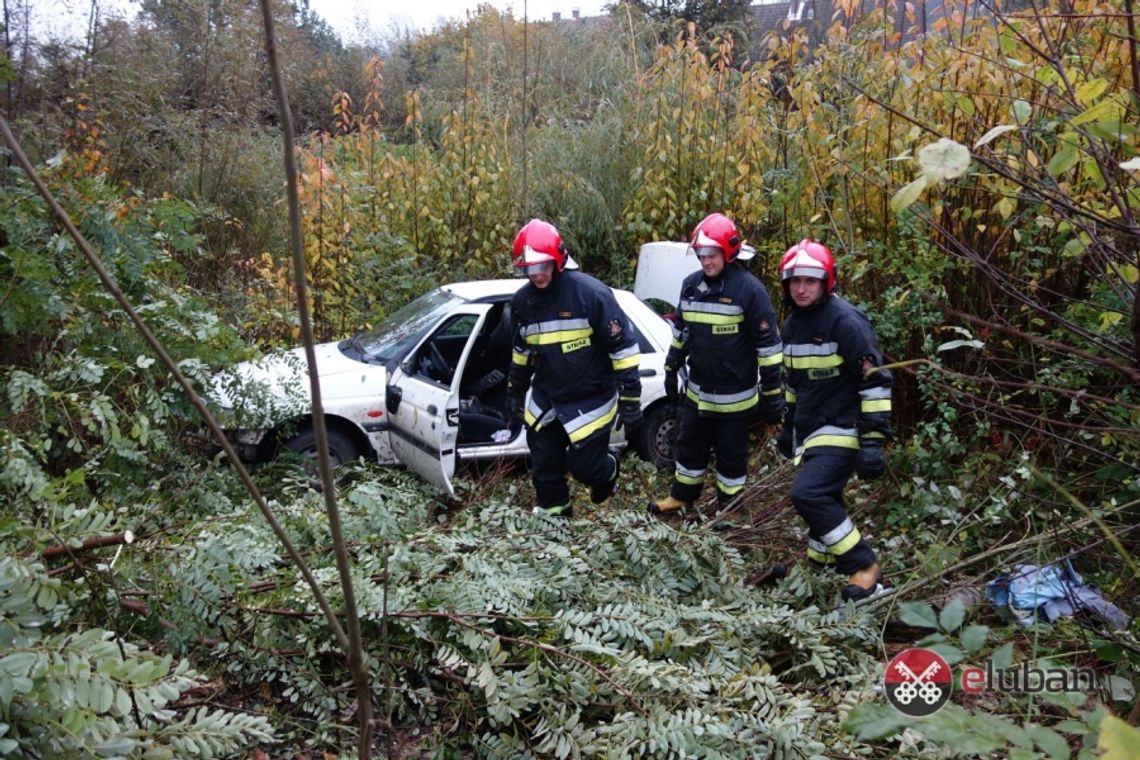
726, 329
576, 344
832, 397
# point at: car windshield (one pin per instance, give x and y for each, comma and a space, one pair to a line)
400, 330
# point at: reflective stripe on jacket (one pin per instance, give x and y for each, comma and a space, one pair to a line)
574, 346
725, 330
834, 384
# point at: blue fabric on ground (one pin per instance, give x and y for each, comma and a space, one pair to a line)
1031, 592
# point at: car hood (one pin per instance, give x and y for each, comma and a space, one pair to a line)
265, 391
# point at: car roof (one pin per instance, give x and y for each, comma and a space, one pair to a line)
477, 290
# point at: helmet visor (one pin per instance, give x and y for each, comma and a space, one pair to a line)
815, 272
541, 267
705, 251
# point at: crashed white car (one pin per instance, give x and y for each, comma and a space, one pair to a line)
424, 388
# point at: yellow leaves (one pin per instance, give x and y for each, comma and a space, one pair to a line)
1005, 207
1117, 740
908, 194
1109, 109
1090, 91
1128, 273
1108, 320
941, 160
993, 133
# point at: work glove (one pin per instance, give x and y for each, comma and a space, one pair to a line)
772, 408
871, 462
784, 443
515, 406
630, 410
671, 388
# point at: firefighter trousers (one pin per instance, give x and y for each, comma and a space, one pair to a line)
698, 435
552, 455
817, 493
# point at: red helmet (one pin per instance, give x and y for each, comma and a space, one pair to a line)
808, 258
537, 242
718, 231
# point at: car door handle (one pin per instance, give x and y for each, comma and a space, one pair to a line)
432, 409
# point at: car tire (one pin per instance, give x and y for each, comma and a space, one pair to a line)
658, 436
341, 447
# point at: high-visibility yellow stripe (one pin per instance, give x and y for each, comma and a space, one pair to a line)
772, 392
705, 318
846, 544
817, 556
875, 405
688, 480
770, 361
558, 336
712, 406
676, 343
842, 441
813, 362
789, 395
517, 358
728, 490
585, 431
627, 362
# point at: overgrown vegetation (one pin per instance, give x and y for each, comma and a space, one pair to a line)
147, 610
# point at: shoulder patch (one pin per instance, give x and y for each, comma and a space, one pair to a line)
615, 327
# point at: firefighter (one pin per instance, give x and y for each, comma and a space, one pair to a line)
725, 330
838, 412
574, 349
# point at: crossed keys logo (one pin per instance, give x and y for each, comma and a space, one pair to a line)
917, 682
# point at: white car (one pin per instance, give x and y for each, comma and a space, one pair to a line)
424, 388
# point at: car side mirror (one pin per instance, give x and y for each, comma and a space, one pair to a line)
392, 397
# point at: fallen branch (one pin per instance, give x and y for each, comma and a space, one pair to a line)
126, 537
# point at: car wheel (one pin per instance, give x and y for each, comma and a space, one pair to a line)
658, 435
341, 447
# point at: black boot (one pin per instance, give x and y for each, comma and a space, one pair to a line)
767, 574
603, 491
864, 584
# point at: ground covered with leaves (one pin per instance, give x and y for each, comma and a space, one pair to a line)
493, 632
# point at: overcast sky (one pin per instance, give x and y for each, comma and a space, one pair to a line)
346, 15
353, 19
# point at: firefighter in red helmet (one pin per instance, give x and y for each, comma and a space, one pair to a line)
838, 412
576, 353
725, 334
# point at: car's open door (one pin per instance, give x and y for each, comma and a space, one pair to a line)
422, 396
